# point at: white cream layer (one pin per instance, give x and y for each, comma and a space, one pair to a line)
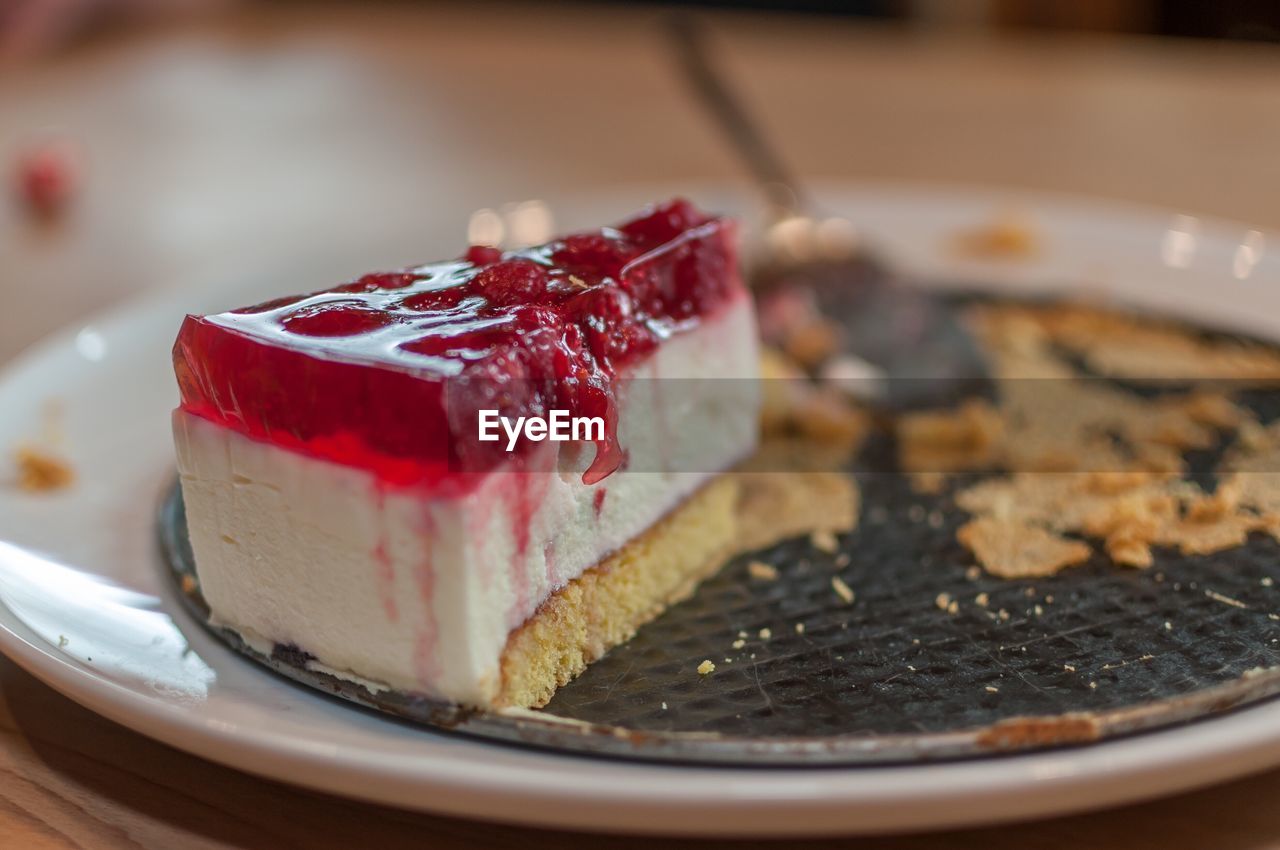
397, 587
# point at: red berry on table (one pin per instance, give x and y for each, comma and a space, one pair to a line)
47, 177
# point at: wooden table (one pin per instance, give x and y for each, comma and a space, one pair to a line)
277, 138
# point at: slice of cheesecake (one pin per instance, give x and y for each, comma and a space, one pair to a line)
366, 482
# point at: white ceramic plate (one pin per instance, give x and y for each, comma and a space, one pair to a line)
84, 605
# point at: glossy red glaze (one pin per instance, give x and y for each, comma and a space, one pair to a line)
388, 372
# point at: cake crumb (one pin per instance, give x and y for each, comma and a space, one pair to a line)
39, 472
1267, 581
1070, 668
992, 690
189, 583
950, 441
774, 505
1093, 686
842, 560
1007, 236
1009, 548
739, 643
927, 482
706, 667
973, 573
982, 600
842, 590
1168, 627
942, 601
766, 633
812, 340
799, 628
825, 541
664, 706
1225, 600
762, 571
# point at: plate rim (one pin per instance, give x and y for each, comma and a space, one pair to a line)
665, 799
1034, 788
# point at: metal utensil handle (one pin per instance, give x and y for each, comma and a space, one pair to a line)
688, 36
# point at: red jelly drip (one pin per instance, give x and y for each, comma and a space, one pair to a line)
425, 651
388, 373
526, 494
549, 559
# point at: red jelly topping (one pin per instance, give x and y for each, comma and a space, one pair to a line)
388, 372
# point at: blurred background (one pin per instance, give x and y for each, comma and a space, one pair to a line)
173, 144
31, 25
1240, 19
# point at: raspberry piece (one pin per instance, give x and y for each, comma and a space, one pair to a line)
336, 318
512, 282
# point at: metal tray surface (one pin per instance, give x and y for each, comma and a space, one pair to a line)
1089, 654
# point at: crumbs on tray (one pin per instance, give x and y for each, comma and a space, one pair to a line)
1091, 462
824, 541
